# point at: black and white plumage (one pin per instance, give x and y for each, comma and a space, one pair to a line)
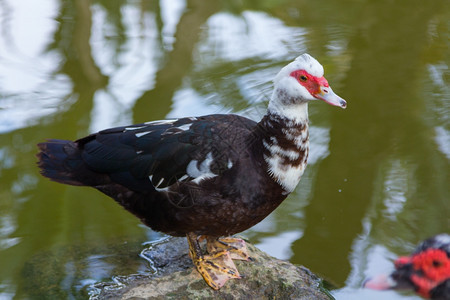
426, 270
213, 175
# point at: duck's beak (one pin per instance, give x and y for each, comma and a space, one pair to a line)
380, 282
326, 94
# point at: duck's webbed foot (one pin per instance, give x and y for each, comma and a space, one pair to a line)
216, 268
236, 247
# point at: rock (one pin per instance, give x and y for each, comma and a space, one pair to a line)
175, 278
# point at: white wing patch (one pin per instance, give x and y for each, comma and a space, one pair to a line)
202, 171
157, 186
230, 164
139, 134
134, 128
183, 177
185, 126
161, 122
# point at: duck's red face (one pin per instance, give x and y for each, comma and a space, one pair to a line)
318, 87
421, 271
430, 268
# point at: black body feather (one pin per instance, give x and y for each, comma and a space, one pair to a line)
205, 175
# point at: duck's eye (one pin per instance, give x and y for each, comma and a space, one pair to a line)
437, 263
303, 78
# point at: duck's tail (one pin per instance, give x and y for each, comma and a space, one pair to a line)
61, 161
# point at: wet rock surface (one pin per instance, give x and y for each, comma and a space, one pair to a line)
175, 278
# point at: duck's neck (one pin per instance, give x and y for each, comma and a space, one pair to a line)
285, 139
289, 107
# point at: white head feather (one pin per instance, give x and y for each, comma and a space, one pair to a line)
303, 62
289, 98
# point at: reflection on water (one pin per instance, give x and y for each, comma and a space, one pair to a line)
377, 180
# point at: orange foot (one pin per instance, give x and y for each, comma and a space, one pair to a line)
236, 247
216, 268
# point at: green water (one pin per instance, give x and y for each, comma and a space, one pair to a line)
378, 178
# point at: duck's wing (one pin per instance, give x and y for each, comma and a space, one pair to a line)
160, 153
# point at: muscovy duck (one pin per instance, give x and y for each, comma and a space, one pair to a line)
205, 177
426, 271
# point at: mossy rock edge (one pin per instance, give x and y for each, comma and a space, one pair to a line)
175, 278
